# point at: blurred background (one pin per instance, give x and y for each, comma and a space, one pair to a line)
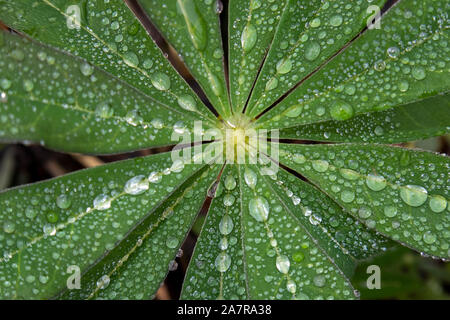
405, 274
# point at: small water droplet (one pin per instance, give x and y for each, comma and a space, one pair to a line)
187, 102
160, 81
63, 201
312, 51
102, 202
283, 264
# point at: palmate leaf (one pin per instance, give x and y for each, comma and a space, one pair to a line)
110, 37
50, 98
398, 192
107, 221
418, 120
268, 234
192, 27
310, 32
275, 237
404, 61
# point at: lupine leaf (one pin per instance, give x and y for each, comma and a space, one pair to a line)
252, 25
110, 37
400, 193
404, 61
419, 120
84, 218
310, 32
51, 101
192, 27
252, 247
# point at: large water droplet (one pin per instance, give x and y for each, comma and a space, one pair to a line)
248, 37
187, 102
250, 177
438, 203
226, 225
341, 111
375, 182
230, 182
320, 165
63, 201
103, 282
283, 264
413, 195
131, 59
171, 242
102, 202
319, 281
259, 208
284, 66
160, 81
136, 185
223, 262
294, 111
9, 226
312, 51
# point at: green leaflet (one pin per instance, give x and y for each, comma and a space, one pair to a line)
251, 247
84, 220
251, 27
418, 120
398, 192
108, 36
310, 32
192, 27
397, 64
63, 103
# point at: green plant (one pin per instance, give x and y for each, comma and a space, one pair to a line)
95, 82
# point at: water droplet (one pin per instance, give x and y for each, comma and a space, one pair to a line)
393, 52
294, 111
250, 178
291, 286
17, 54
284, 66
28, 85
299, 158
336, 20
223, 262
154, 177
187, 102
215, 84
52, 217
49, 229
133, 118
271, 84
103, 282
86, 69
347, 196
390, 211
413, 195
380, 65
259, 208
228, 200
230, 182
102, 202
9, 226
147, 64
226, 225
63, 201
136, 185
160, 81
403, 86
418, 73
248, 37
319, 281
30, 212
157, 123
320, 165
375, 182
312, 51
172, 242
283, 264
349, 174
177, 166
364, 213
341, 111
298, 256
429, 237
438, 203
104, 110
5, 84
131, 59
